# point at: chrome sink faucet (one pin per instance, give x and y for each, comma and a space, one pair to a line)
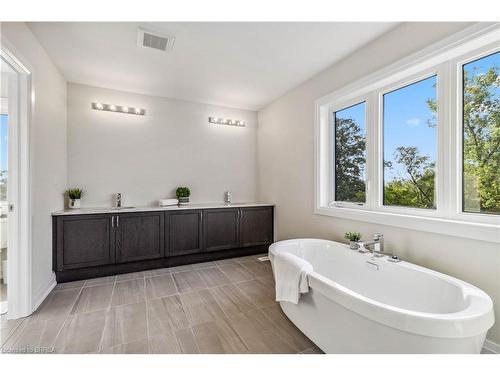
376, 247
118, 200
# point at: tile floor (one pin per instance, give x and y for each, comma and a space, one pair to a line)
214, 307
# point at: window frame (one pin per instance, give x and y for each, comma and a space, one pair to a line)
332, 133
443, 60
457, 108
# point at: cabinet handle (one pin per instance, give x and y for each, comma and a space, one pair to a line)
112, 221
117, 221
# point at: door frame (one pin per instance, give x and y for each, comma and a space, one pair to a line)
19, 262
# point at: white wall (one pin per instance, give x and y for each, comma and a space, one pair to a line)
286, 168
147, 157
48, 146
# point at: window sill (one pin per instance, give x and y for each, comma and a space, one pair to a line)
455, 228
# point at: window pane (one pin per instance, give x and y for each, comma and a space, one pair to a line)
410, 145
481, 135
350, 154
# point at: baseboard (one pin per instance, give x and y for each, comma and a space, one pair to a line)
491, 346
43, 292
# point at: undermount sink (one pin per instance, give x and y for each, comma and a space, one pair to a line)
122, 208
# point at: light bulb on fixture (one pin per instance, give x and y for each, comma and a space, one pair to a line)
138, 111
125, 109
112, 107
99, 106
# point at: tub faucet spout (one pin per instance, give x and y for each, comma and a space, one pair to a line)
376, 247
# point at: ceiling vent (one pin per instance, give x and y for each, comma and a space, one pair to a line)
148, 39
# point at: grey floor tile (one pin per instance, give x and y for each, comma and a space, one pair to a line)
34, 334
69, 285
313, 350
213, 276
186, 267
187, 281
165, 315
156, 272
258, 268
186, 341
218, 337
256, 339
165, 344
124, 324
287, 329
236, 272
134, 347
129, 291
130, 276
201, 306
7, 327
57, 305
247, 258
225, 261
100, 281
231, 300
160, 286
93, 298
81, 333
199, 266
269, 281
259, 293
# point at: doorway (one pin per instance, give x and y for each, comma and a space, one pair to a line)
15, 232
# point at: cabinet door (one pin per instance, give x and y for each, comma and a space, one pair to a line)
220, 229
139, 236
183, 232
84, 241
256, 226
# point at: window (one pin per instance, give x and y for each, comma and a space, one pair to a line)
410, 145
481, 135
350, 163
417, 144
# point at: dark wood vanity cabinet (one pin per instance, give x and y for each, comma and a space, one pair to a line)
183, 231
95, 245
139, 236
221, 229
256, 226
83, 241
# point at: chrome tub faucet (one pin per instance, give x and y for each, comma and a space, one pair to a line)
376, 247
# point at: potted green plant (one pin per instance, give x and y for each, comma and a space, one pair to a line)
74, 197
353, 238
183, 194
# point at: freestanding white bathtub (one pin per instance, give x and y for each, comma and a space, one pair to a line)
361, 304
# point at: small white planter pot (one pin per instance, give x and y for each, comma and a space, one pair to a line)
74, 203
353, 245
183, 200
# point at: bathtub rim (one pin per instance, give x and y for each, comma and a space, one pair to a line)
474, 319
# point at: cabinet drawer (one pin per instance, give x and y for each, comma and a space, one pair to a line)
84, 241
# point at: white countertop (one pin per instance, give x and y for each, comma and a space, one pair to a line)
191, 206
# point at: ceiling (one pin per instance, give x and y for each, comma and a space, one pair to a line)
242, 65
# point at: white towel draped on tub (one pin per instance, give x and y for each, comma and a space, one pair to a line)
291, 277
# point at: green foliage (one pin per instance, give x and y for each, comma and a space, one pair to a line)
418, 189
182, 192
481, 148
352, 236
75, 193
349, 161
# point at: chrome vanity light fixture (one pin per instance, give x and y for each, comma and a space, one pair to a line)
118, 108
221, 121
